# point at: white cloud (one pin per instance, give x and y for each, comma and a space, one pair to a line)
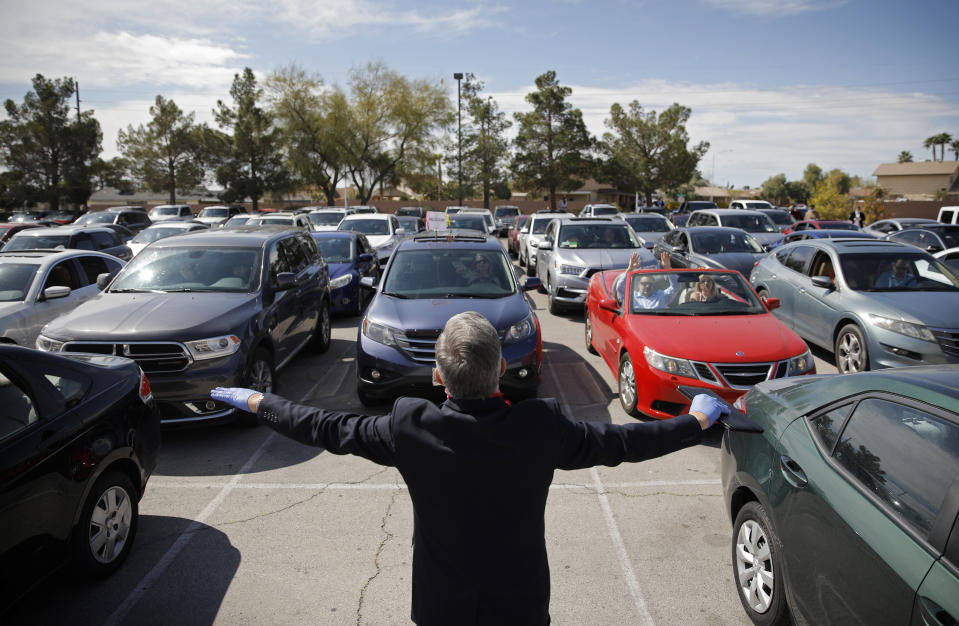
775, 8
758, 133
335, 19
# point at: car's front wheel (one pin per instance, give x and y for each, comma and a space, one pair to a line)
260, 376
757, 567
321, 334
851, 352
108, 523
589, 334
628, 394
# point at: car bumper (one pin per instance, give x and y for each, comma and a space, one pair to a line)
570, 290
889, 349
344, 298
183, 398
383, 372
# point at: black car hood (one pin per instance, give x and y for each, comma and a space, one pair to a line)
432, 314
153, 316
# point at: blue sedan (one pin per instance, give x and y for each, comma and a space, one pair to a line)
349, 257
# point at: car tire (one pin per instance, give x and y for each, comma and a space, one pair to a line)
588, 332
321, 334
260, 376
757, 566
521, 261
850, 350
628, 390
108, 524
530, 268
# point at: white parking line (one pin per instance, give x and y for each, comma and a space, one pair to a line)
154, 574
614, 534
173, 484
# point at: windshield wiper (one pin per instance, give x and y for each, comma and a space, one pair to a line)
394, 294
134, 290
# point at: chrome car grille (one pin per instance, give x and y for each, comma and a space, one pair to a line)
419, 346
743, 376
161, 357
948, 340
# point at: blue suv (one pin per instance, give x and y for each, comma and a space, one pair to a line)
431, 277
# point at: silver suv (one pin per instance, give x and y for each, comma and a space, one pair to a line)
573, 249
598, 210
530, 236
756, 223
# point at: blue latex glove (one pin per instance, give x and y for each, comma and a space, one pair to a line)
234, 396
709, 406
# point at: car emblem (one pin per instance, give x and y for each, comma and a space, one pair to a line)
740, 353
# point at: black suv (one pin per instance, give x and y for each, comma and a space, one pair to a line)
220, 308
134, 219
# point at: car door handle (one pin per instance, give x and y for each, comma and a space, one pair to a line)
932, 613
793, 473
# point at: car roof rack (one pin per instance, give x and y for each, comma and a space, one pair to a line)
444, 235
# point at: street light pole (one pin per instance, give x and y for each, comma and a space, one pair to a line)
712, 176
459, 134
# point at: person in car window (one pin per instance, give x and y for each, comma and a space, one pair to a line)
479, 549
481, 274
898, 277
706, 290
644, 296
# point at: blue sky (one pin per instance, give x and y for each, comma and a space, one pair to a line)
772, 84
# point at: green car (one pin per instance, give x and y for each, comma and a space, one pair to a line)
845, 508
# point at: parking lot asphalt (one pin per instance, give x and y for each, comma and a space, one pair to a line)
242, 526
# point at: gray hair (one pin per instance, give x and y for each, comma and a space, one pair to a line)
468, 356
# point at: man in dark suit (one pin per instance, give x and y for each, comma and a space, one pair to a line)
478, 471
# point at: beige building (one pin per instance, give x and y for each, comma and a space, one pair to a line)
918, 180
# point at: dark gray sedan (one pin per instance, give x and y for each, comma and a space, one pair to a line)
874, 303
713, 247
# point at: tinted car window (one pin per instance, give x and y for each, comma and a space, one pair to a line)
648, 225
597, 236
367, 227
104, 240
83, 241
335, 250
751, 223
456, 273
826, 427
296, 258
15, 280
93, 266
62, 275
798, 257
19, 409
880, 447
720, 242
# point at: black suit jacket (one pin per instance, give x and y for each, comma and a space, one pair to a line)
478, 473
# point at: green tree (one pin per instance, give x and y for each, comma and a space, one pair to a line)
812, 176
941, 140
904, 157
389, 121
251, 159
831, 196
775, 190
954, 146
312, 141
167, 153
489, 148
49, 152
647, 151
114, 173
551, 143
797, 191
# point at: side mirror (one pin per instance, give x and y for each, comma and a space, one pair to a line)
531, 283
524, 230
649, 245
609, 304
103, 280
400, 231
367, 282
544, 245
59, 291
772, 303
285, 280
823, 282
366, 257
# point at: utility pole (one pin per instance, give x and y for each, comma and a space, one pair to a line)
458, 76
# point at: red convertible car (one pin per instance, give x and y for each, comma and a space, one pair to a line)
699, 328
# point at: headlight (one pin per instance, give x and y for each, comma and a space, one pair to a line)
380, 333
48, 345
213, 348
571, 269
917, 331
342, 281
801, 364
668, 364
521, 330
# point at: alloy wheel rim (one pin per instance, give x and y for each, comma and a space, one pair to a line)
110, 524
627, 384
850, 353
754, 566
325, 324
260, 378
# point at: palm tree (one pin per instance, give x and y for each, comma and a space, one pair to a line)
906, 157
954, 146
941, 140
930, 142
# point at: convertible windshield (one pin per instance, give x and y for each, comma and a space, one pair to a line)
326, 219
896, 272
838, 226
335, 249
15, 279
36, 242
692, 292
459, 273
720, 242
751, 223
597, 236
467, 220
367, 227
191, 269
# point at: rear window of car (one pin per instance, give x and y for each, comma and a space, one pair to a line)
597, 236
648, 225
367, 227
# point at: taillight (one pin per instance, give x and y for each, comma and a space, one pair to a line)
146, 394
